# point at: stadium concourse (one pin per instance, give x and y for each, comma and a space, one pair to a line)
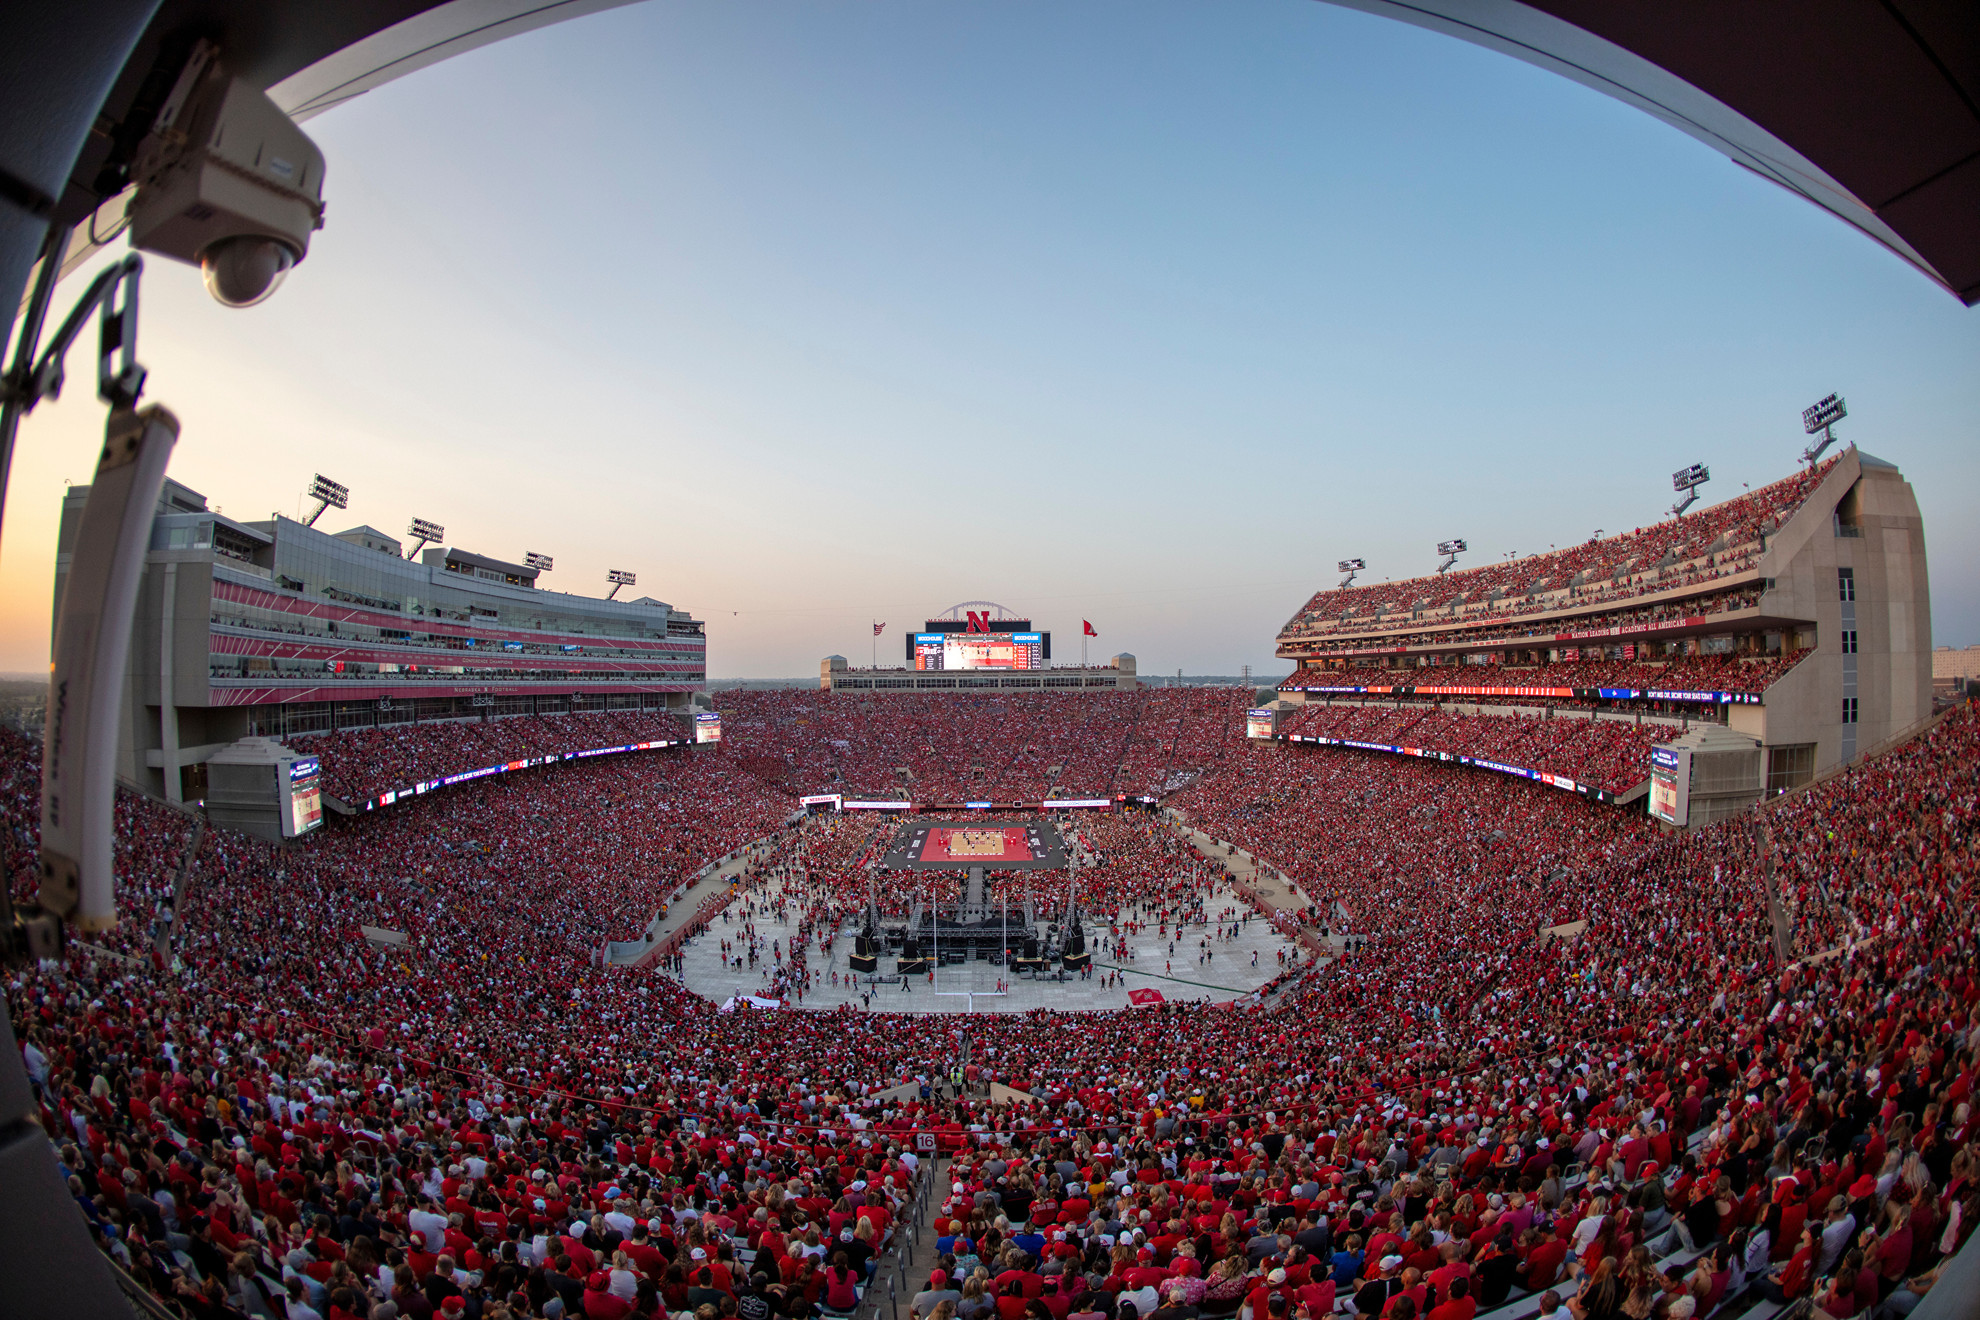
1677, 1109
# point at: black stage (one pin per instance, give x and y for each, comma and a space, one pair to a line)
974, 929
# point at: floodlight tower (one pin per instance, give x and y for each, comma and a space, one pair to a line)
1450, 550
1821, 416
541, 563
423, 533
326, 493
619, 577
1686, 483
1350, 567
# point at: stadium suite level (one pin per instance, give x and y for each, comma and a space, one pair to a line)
1806, 604
274, 628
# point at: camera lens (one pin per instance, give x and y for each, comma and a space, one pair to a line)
243, 270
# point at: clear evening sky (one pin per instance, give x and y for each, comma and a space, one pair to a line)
814, 314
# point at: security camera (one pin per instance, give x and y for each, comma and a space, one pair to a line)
227, 181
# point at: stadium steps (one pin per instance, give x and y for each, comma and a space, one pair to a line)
1414, 720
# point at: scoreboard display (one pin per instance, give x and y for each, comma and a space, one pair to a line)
303, 799
979, 650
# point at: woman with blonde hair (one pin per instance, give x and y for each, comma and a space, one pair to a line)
975, 1305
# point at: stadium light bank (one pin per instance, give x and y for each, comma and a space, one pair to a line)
1686, 483
1822, 415
423, 533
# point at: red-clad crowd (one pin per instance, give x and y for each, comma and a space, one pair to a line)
1567, 1057
1613, 754
360, 764
1005, 746
1713, 543
1685, 673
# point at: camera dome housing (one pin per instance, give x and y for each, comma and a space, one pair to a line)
243, 270
238, 191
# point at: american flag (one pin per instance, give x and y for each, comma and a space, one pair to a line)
878, 628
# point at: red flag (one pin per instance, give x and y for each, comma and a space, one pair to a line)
1089, 629
1143, 998
877, 627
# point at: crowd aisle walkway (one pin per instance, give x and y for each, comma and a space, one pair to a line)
924, 1255
682, 910
1277, 892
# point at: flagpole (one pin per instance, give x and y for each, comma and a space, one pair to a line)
876, 642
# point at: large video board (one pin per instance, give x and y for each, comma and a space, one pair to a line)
1670, 782
979, 650
304, 797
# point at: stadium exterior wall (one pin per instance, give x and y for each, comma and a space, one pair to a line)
276, 628
1842, 584
1862, 520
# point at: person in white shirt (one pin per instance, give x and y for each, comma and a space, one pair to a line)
295, 1306
1837, 1234
37, 1065
430, 1225
624, 1282
432, 1184
1590, 1227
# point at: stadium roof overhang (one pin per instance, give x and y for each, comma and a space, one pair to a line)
1868, 108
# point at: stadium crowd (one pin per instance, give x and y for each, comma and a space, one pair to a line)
281, 1120
1006, 747
364, 763
1613, 754
1711, 544
1689, 673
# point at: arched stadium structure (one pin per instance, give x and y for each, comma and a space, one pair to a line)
1794, 622
1536, 1043
1524, 1038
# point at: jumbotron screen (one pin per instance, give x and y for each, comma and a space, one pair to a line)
979, 650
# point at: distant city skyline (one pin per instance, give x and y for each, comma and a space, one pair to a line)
818, 315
